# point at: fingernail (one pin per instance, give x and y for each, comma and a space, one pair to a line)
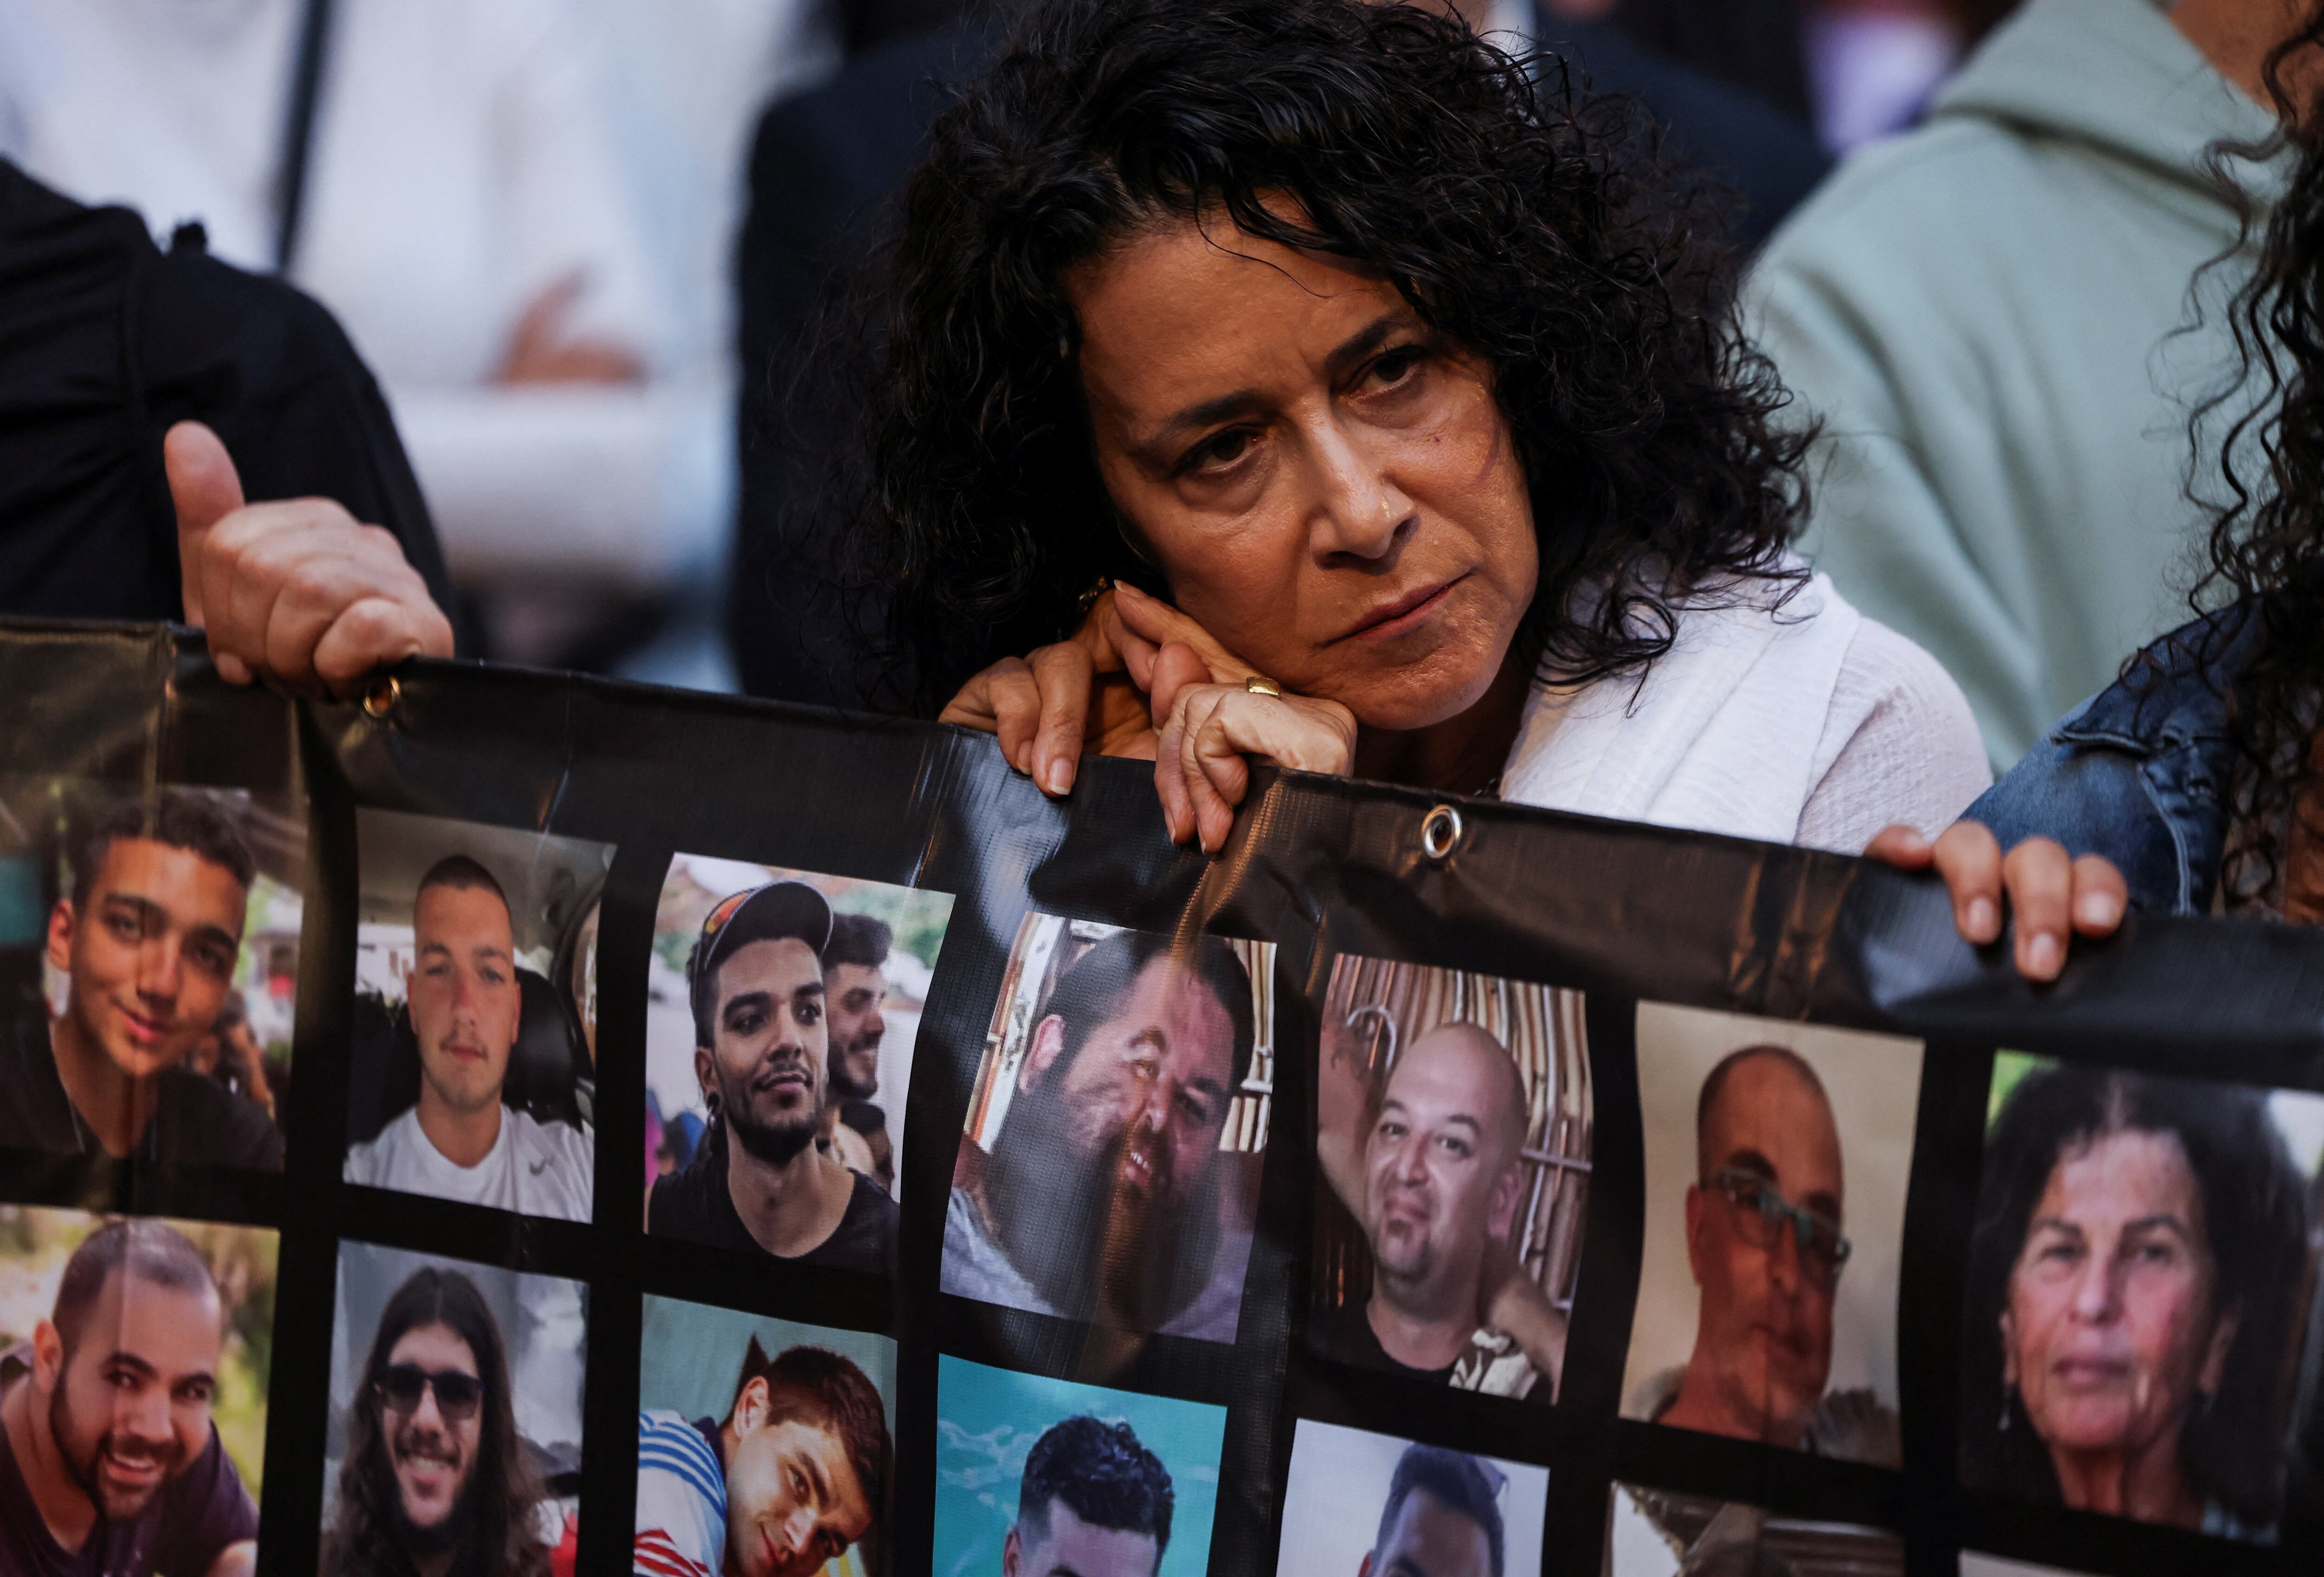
2098, 910
1061, 776
2044, 955
1984, 919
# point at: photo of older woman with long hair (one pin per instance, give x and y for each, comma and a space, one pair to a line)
2136, 1289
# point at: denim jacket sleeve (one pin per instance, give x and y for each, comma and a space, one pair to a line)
2136, 776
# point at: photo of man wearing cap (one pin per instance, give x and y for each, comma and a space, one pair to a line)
757, 1181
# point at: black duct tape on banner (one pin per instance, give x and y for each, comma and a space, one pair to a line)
1797, 1235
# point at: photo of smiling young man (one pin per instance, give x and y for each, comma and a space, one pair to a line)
132, 1394
1110, 1163
455, 1419
1777, 1157
481, 1048
144, 955
1453, 1126
763, 1446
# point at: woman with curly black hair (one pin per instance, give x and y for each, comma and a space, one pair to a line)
1302, 379
2195, 784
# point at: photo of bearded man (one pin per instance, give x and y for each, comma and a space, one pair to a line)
1110, 1189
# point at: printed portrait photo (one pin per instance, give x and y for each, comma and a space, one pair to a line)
473, 1071
1777, 1159
1975, 1564
782, 1011
1453, 1133
455, 1418
1045, 1478
134, 1360
2139, 1335
1110, 1164
763, 1446
149, 964
1659, 1533
1440, 1512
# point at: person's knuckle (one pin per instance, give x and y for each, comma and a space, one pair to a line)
312, 582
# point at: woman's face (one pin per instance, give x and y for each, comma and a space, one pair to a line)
2110, 1334
1328, 484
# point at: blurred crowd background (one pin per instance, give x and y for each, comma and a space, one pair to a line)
580, 243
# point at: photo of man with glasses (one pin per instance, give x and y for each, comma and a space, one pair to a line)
1766, 1244
436, 1478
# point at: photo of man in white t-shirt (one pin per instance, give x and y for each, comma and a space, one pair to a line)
459, 1141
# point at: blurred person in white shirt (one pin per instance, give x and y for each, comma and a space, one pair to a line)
462, 215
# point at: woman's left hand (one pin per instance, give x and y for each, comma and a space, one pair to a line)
1201, 769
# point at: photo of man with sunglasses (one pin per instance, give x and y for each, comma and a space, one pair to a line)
1767, 1244
436, 1478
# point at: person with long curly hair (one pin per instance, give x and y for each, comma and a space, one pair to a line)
1302, 380
2134, 1301
2195, 783
436, 1483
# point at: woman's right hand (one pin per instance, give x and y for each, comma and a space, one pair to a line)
2054, 895
1057, 702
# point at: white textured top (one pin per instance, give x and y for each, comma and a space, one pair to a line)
461, 167
1899, 743
534, 1169
1808, 724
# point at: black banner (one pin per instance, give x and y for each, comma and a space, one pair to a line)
597, 1128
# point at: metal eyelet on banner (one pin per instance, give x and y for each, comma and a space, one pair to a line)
1440, 831
380, 698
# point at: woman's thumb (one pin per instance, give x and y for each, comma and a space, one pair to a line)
203, 481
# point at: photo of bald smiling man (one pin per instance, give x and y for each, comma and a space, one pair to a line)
1453, 1132
1777, 1159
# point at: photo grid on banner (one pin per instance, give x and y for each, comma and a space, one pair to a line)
446, 1138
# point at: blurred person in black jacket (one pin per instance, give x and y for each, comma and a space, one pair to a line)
106, 345
829, 165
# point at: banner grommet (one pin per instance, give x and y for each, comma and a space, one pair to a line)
380, 698
1440, 831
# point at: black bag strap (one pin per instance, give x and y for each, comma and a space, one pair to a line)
299, 128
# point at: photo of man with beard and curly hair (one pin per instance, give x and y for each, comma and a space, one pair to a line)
437, 1480
1110, 1164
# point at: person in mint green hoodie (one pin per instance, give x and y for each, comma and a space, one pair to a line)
2003, 322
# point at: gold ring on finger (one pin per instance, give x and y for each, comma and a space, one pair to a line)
1257, 686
